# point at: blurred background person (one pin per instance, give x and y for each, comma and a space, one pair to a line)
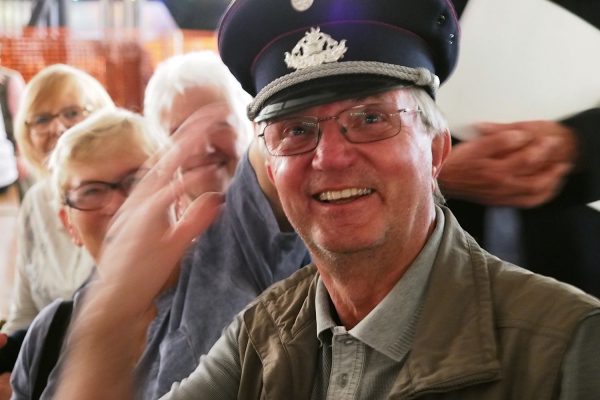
94, 167
9, 207
48, 265
11, 89
173, 101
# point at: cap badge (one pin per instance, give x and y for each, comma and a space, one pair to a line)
315, 48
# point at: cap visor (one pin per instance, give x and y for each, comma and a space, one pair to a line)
326, 90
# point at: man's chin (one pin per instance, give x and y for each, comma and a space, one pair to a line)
343, 246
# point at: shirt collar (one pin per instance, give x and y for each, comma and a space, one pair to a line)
389, 327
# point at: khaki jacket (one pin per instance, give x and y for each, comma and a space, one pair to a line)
488, 330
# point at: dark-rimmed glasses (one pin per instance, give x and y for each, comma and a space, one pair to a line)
95, 195
295, 135
69, 116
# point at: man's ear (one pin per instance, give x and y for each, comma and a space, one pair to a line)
64, 217
269, 172
440, 149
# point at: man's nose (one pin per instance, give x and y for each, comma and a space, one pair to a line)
334, 151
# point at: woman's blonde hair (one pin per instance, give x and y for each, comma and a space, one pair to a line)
101, 136
48, 84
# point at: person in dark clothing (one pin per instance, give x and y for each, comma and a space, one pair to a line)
522, 189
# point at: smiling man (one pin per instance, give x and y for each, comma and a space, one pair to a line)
400, 302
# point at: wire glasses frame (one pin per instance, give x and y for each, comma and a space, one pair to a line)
295, 135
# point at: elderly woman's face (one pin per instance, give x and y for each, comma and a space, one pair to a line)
212, 167
48, 120
86, 183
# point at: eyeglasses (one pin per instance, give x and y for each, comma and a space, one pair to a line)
360, 124
96, 195
69, 116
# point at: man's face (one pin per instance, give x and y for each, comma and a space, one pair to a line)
383, 190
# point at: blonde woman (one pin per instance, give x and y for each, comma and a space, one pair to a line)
94, 167
49, 266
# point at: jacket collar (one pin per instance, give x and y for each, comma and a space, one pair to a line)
390, 327
455, 343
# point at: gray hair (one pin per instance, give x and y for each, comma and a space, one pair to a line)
204, 68
435, 123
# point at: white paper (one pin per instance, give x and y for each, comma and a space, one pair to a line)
521, 60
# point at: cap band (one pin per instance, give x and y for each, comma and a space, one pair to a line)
419, 76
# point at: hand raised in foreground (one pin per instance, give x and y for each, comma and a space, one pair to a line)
142, 248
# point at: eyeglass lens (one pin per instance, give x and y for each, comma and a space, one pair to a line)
96, 195
361, 124
68, 116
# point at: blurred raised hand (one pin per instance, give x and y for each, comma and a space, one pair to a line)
142, 249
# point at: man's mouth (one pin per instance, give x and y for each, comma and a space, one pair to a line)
343, 195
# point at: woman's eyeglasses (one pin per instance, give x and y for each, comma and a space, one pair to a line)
96, 195
68, 116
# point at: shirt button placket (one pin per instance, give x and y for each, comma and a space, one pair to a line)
345, 356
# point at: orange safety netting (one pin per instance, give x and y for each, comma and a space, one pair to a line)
120, 60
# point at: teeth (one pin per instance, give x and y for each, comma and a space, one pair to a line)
343, 194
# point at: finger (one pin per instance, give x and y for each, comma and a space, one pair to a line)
187, 141
533, 190
498, 144
154, 210
203, 118
3, 340
199, 215
157, 209
489, 128
529, 159
161, 173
